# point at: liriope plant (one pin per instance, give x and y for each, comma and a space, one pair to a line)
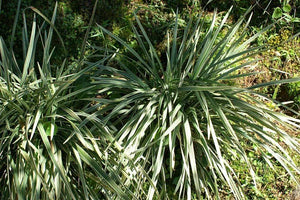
179, 117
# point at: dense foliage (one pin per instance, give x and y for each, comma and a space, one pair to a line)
49, 147
156, 100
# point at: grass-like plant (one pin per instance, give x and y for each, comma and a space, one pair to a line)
179, 117
49, 147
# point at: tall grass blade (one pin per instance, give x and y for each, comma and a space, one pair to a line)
14, 24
